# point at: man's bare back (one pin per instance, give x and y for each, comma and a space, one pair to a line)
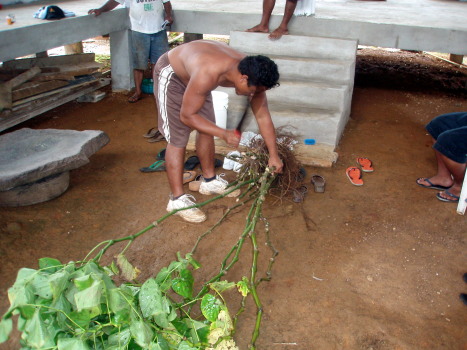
211, 62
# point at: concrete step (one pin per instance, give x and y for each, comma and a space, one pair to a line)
319, 124
302, 94
294, 45
320, 70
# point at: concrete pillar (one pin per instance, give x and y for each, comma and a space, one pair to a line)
121, 61
191, 37
74, 48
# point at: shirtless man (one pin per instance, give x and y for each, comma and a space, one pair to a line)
183, 80
263, 26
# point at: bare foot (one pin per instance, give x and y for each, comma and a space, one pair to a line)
135, 98
258, 29
277, 33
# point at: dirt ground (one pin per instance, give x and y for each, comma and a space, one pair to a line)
373, 267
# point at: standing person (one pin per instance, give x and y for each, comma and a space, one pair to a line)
148, 34
449, 133
263, 26
183, 80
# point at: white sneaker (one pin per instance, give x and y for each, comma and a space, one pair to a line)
190, 215
217, 186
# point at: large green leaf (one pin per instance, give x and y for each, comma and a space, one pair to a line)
142, 333
62, 304
36, 332
20, 295
81, 319
41, 285
89, 298
59, 282
164, 279
198, 331
49, 265
120, 339
6, 325
72, 344
210, 307
150, 298
183, 285
83, 282
119, 300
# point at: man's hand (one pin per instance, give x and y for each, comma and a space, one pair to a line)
231, 138
276, 162
95, 12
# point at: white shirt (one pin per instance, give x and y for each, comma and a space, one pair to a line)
146, 16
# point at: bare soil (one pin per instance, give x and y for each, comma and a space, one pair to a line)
373, 267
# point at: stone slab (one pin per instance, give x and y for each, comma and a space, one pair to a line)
28, 155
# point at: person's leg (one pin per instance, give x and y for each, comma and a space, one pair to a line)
443, 175
138, 77
263, 26
205, 153
277, 33
141, 44
458, 171
174, 160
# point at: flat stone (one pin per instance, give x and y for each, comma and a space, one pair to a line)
28, 155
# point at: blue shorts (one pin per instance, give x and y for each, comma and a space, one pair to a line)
450, 132
148, 47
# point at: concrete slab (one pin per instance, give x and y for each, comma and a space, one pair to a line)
28, 155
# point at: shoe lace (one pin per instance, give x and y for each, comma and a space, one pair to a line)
189, 199
221, 180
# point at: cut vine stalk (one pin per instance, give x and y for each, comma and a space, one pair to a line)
258, 196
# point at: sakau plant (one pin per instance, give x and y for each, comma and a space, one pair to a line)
78, 306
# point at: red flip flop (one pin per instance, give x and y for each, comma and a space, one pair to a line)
355, 176
366, 164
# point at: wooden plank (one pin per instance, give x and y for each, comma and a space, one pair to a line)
6, 93
26, 63
79, 82
85, 68
53, 76
35, 88
37, 107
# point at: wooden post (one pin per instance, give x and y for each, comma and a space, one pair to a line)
191, 36
74, 48
456, 58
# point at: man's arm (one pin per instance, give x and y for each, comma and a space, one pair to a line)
168, 12
199, 87
108, 6
259, 105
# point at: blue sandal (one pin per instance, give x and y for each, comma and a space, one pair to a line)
157, 166
438, 195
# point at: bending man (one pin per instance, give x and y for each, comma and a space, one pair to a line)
183, 80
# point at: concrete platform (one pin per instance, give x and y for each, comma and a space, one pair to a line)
428, 25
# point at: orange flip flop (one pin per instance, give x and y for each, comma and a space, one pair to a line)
355, 176
366, 164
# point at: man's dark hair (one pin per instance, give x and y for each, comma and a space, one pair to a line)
261, 71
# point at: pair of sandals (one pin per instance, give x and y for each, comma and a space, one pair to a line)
355, 174
154, 135
445, 189
317, 181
